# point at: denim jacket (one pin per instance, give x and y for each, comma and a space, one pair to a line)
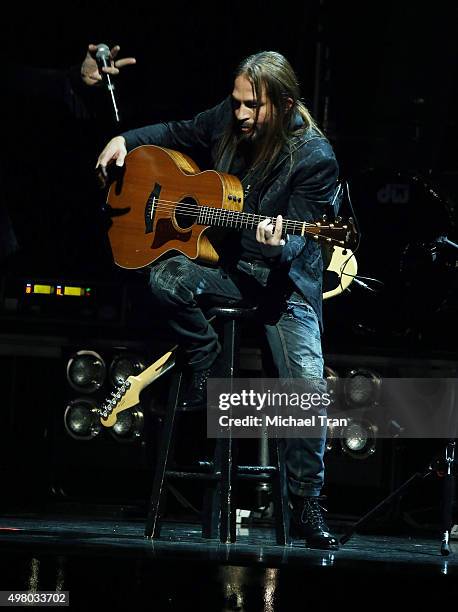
299, 188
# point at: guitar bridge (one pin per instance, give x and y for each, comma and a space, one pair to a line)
150, 208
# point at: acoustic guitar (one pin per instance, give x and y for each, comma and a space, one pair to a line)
162, 202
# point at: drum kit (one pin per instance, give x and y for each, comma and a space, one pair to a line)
407, 247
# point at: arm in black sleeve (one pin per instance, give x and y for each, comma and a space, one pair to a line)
200, 131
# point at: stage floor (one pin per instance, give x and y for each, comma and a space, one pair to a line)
110, 561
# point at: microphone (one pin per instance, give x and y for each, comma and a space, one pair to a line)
364, 285
102, 57
445, 240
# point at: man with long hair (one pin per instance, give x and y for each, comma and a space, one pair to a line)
263, 134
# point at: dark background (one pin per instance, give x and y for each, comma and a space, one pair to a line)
379, 77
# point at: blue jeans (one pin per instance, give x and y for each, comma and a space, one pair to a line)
179, 285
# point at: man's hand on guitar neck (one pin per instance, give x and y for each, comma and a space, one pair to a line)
270, 237
115, 151
266, 233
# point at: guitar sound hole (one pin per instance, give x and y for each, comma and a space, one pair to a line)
186, 213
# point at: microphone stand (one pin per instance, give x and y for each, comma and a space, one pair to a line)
448, 496
443, 467
110, 88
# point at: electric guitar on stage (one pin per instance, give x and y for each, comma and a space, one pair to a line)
127, 395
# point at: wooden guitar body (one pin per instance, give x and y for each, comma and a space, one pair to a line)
144, 229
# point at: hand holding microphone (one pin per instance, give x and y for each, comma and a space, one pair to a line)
100, 65
103, 60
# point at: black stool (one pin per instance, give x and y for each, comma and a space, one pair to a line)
219, 512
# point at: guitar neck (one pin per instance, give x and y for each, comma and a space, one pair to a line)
159, 367
233, 219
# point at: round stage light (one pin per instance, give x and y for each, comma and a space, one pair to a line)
362, 388
86, 371
358, 439
125, 365
82, 419
129, 426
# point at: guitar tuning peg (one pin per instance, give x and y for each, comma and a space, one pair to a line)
338, 219
325, 218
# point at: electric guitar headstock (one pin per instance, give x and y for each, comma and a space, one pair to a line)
127, 395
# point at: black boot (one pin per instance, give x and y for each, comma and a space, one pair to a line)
308, 522
194, 394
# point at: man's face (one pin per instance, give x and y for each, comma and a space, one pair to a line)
246, 106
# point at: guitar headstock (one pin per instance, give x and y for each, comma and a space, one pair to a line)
128, 393
339, 232
125, 396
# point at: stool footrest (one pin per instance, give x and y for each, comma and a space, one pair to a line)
257, 477
256, 469
204, 467
260, 472
193, 475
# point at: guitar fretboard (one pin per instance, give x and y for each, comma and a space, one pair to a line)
208, 215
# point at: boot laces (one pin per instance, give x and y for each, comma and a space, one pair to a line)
312, 514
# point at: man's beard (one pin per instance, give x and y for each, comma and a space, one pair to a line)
254, 136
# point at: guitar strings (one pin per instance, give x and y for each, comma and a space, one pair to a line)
222, 214
195, 208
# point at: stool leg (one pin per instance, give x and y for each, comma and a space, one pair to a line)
153, 524
211, 511
230, 349
279, 492
228, 526
212, 501
227, 447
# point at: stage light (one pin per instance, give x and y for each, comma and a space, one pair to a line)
358, 439
82, 419
86, 371
129, 426
362, 388
123, 366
